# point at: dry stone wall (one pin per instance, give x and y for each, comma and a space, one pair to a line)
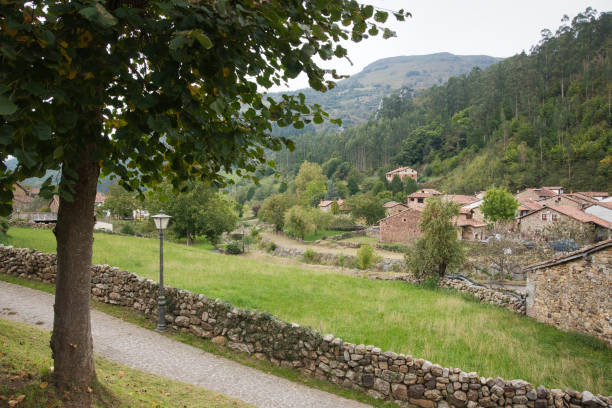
486, 295
386, 375
574, 295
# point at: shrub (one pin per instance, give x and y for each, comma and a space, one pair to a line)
271, 246
393, 247
431, 283
365, 256
127, 229
342, 223
233, 248
299, 222
310, 256
4, 226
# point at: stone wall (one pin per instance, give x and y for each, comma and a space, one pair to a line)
20, 223
486, 295
575, 295
402, 227
387, 375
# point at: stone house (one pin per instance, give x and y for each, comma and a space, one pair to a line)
402, 173
393, 207
534, 194
326, 205
416, 200
533, 224
470, 229
555, 189
574, 292
569, 200
527, 205
100, 199
475, 208
461, 199
402, 227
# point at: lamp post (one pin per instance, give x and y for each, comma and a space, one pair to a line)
161, 223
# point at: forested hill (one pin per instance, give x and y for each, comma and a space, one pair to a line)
354, 100
542, 118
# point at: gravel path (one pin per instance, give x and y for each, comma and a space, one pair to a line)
147, 350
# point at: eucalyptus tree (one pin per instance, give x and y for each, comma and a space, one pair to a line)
148, 90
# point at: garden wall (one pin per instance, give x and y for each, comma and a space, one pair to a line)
385, 375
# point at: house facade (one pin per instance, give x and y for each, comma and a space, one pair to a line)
535, 223
470, 229
393, 207
574, 292
326, 205
402, 227
535, 194
416, 200
402, 173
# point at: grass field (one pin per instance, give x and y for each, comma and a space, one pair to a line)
361, 240
314, 236
445, 328
25, 358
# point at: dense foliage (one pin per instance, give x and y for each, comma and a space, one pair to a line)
498, 205
538, 118
439, 249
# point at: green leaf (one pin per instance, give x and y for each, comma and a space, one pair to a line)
388, 33
202, 39
381, 16
218, 106
367, 11
98, 14
47, 36
42, 131
178, 42
7, 107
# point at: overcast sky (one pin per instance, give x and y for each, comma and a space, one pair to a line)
465, 27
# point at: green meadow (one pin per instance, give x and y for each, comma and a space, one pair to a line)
444, 327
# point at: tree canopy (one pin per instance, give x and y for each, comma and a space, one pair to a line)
438, 249
150, 91
498, 205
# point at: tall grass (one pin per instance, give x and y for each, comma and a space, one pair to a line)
444, 327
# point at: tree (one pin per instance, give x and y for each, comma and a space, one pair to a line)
120, 202
335, 208
353, 185
310, 180
273, 210
299, 222
147, 91
439, 248
410, 186
199, 210
366, 206
498, 205
396, 185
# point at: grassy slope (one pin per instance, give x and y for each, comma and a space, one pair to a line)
442, 327
25, 359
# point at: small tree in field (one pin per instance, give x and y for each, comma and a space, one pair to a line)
299, 222
438, 249
498, 205
273, 210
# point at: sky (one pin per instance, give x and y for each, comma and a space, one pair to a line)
465, 27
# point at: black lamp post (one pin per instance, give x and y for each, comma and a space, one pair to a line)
161, 223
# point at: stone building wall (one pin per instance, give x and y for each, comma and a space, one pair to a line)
402, 227
574, 295
387, 375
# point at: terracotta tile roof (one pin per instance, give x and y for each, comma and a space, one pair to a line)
571, 255
400, 169
579, 215
594, 193
542, 192
424, 192
579, 197
529, 204
325, 203
464, 222
462, 199
390, 204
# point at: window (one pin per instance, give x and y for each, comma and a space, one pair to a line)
420, 200
403, 219
468, 216
555, 217
543, 216
412, 199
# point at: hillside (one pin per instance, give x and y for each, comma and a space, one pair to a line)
542, 118
355, 99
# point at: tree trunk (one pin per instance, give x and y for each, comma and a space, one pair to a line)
71, 341
442, 269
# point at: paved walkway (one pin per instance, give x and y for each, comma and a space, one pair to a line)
147, 350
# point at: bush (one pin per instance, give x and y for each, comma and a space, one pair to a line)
393, 247
342, 223
365, 256
310, 256
431, 283
233, 248
127, 229
4, 226
271, 246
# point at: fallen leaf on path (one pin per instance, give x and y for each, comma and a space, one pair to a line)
20, 398
43, 384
